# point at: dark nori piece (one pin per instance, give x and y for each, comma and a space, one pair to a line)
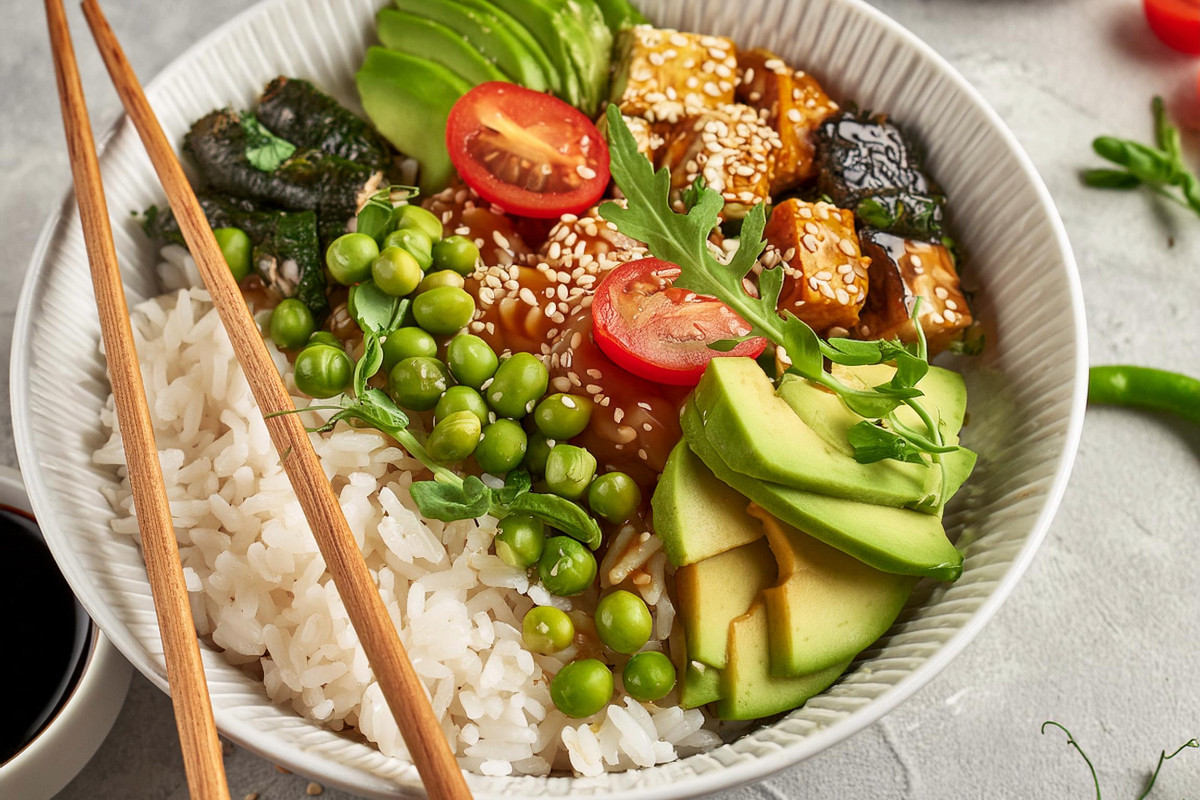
867, 164
296, 110
310, 180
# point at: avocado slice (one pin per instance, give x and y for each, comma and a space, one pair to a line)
518, 31
487, 34
715, 591
620, 14
592, 62
696, 515
408, 100
748, 689
424, 38
770, 442
699, 684
827, 606
564, 40
891, 539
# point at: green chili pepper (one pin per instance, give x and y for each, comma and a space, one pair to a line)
1145, 387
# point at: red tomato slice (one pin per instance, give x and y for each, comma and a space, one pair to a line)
650, 328
529, 153
1176, 23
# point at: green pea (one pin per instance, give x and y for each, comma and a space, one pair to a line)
417, 382
407, 343
648, 676
413, 241
537, 452
623, 622
326, 337
454, 438
569, 470
519, 381
521, 540
349, 258
395, 271
443, 311
501, 448
457, 253
237, 248
614, 496
442, 277
563, 416
471, 360
566, 566
323, 371
409, 216
291, 324
547, 629
582, 688
462, 398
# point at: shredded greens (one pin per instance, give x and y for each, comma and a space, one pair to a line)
264, 150
682, 239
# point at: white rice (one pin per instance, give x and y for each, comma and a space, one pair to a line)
261, 594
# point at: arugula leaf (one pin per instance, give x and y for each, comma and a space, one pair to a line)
448, 502
264, 150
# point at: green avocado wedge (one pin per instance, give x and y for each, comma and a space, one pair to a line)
895, 540
620, 14
408, 100
716, 591
748, 689
564, 40
827, 606
523, 35
697, 516
738, 404
433, 41
489, 35
592, 62
699, 684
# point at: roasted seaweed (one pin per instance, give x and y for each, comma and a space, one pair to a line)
310, 180
311, 119
867, 164
287, 252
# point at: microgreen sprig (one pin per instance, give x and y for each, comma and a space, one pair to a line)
1162, 757
1159, 168
682, 239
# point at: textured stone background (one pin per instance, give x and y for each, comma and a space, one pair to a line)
1102, 632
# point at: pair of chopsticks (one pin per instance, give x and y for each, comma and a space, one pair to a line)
185, 672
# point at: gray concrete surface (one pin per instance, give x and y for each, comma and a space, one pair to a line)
1101, 634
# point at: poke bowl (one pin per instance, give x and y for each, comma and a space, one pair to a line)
286, 676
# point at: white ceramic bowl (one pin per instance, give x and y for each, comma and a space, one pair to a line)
1026, 393
71, 737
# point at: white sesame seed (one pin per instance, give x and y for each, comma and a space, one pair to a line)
585, 172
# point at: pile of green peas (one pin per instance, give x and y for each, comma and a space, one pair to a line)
584, 686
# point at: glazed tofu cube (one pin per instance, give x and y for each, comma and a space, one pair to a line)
730, 148
647, 135
793, 103
901, 271
825, 274
662, 73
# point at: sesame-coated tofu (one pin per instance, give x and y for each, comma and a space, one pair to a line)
901, 271
647, 135
662, 73
825, 274
730, 148
794, 104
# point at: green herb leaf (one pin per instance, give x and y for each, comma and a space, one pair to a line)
375, 217
1111, 179
558, 512
372, 308
452, 501
264, 150
517, 483
725, 345
972, 343
368, 363
872, 443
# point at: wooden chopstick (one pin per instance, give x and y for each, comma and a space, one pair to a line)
401, 687
185, 671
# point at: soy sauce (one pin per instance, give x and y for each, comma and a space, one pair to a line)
46, 633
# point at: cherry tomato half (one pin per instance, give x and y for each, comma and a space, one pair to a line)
529, 153
650, 328
1176, 23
